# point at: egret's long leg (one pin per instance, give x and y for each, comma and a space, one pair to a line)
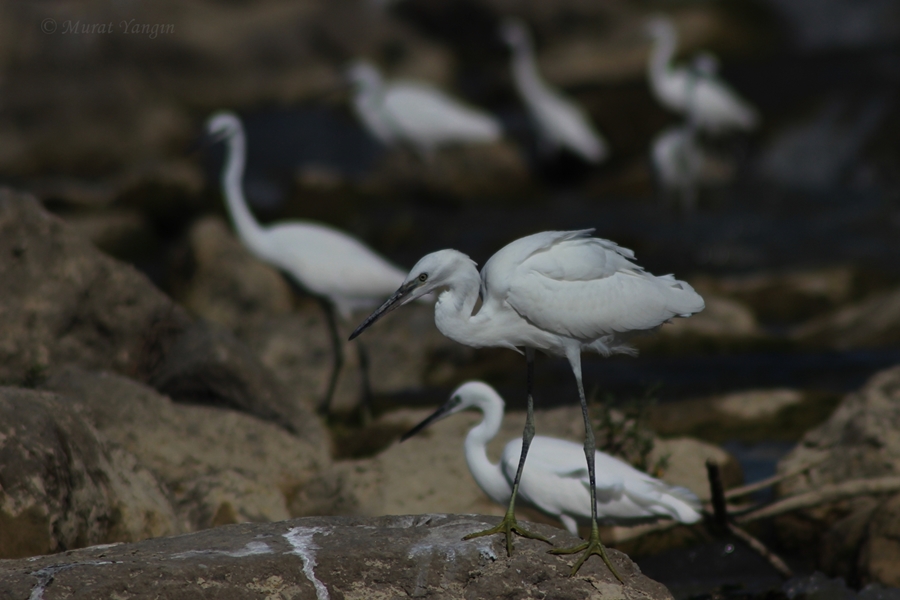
593, 545
509, 525
366, 406
338, 349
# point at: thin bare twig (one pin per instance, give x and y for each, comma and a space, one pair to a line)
770, 481
725, 526
623, 535
761, 549
825, 494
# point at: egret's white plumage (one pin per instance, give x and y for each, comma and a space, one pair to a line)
678, 159
696, 92
557, 291
330, 264
555, 480
561, 292
559, 122
416, 113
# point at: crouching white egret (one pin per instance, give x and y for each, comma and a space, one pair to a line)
561, 292
555, 480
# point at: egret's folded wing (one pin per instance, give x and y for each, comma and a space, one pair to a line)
424, 110
722, 104
588, 287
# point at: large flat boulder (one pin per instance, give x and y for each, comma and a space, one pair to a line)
323, 558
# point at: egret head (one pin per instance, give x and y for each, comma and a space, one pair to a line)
432, 272
472, 394
659, 27
222, 126
514, 32
363, 75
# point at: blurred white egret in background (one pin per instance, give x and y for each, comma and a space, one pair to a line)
715, 106
336, 268
555, 480
678, 160
416, 113
559, 122
560, 292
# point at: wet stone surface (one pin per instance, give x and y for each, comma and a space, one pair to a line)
321, 558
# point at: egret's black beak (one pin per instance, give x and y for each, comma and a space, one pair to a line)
390, 304
435, 416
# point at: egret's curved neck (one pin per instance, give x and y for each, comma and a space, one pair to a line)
369, 104
663, 51
453, 310
525, 70
369, 93
489, 476
249, 230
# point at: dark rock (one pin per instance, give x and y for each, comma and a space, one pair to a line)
789, 295
125, 234
209, 365
386, 557
880, 556
819, 154
858, 441
297, 349
229, 285
405, 351
221, 466
869, 323
66, 302
61, 487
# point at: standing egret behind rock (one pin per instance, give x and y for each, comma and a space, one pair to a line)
560, 123
339, 270
415, 113
561, 292
555, 480
690, 91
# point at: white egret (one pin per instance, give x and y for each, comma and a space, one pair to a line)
713, 105
416, 113
555, 480
678, 160
339, 270
560, 292
559, 122
678, 156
